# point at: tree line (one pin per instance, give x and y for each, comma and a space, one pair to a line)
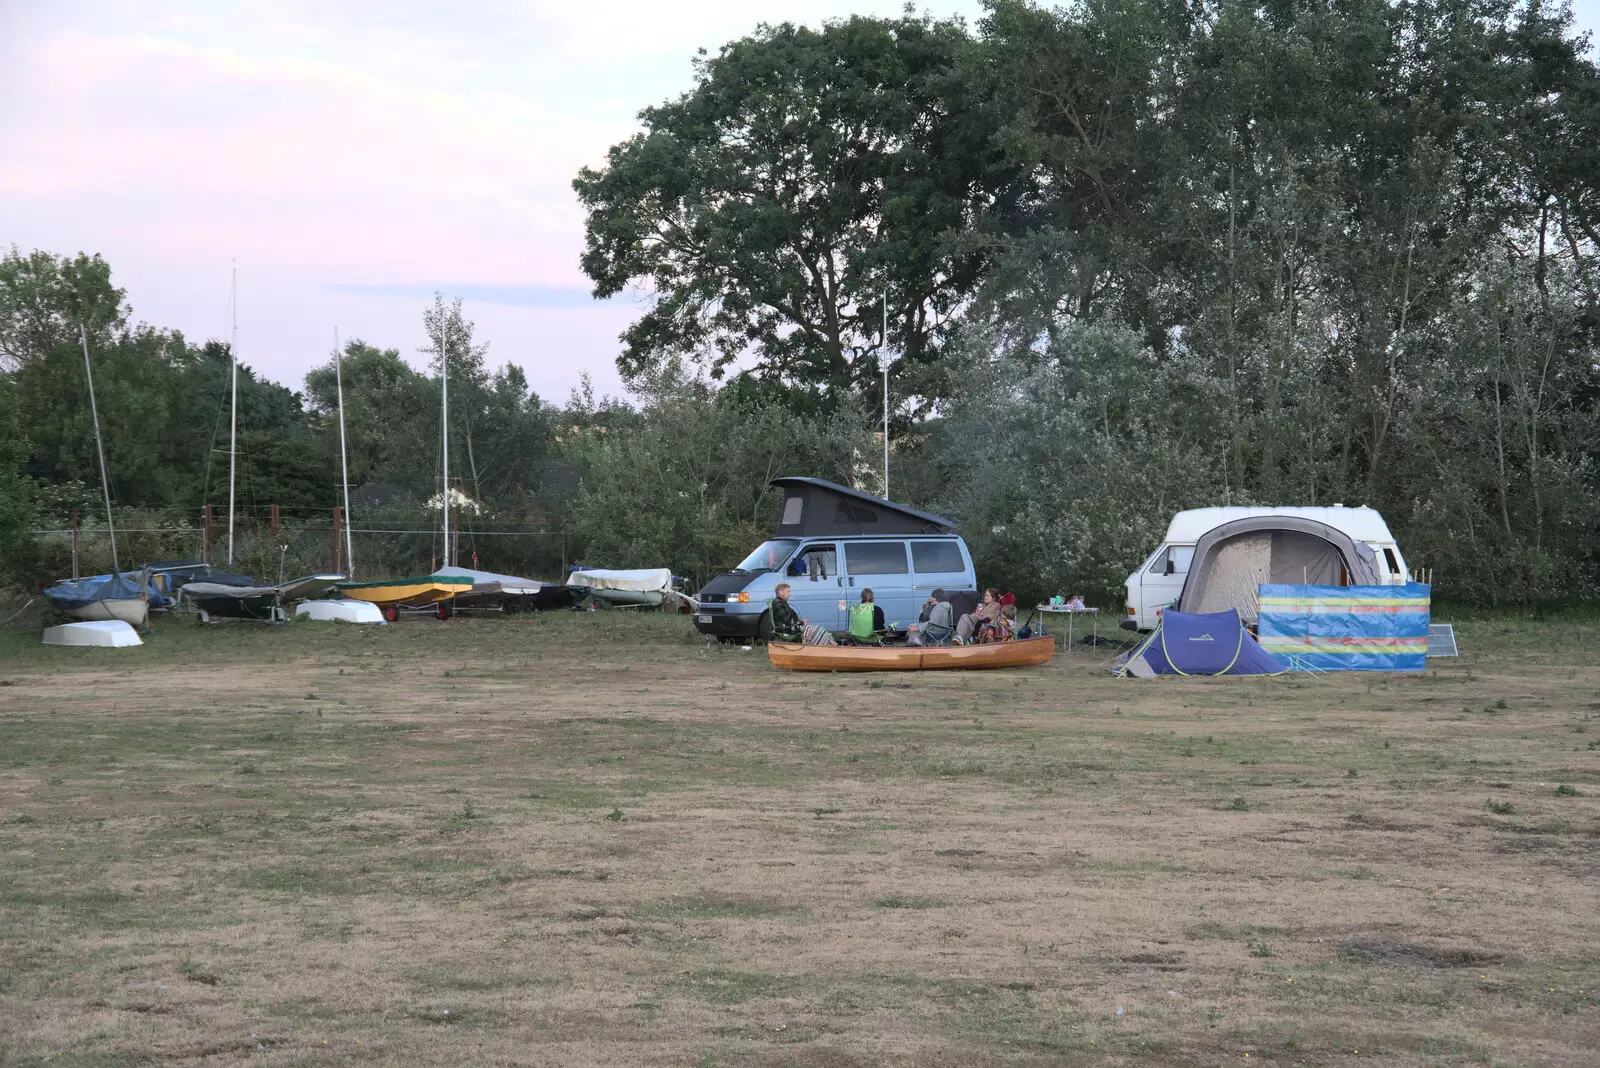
1128, 256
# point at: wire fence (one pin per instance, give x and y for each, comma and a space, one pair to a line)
279, 545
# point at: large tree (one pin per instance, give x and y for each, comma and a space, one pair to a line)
767, 212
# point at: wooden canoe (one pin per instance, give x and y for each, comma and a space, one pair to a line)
428, 589
1028, 652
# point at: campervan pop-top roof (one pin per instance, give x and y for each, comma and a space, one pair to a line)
1361, 524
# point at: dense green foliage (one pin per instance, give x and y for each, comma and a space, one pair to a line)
1139, 256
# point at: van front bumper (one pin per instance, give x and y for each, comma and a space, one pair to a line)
719, 622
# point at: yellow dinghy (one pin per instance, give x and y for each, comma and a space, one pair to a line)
390, 594
1028, 652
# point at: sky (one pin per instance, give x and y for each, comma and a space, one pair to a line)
350, 158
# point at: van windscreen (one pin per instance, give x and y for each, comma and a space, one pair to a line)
769, 555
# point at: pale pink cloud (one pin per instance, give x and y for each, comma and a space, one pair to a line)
337, 145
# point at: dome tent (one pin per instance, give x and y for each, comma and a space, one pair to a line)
1216, 643
1232, 561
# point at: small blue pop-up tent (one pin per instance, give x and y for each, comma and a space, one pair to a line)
1208, 643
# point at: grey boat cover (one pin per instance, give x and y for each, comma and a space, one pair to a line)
1231, 562
487, 582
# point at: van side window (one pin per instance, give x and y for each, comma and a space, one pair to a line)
1172, 560
815, 562
936, 557
1394, 565
876, 557
791, 510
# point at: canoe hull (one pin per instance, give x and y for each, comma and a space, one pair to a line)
1029, 652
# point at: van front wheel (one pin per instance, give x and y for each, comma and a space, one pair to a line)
764, 626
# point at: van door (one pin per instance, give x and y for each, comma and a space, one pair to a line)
1161, 580
815, 585
882, 567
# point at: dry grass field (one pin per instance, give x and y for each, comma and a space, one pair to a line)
592, 840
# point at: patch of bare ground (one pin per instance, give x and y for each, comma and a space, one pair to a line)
594, 840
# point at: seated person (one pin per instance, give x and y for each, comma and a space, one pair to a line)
865, 624
787, 626
987, 612
1002, 629
940, 625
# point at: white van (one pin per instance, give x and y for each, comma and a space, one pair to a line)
1159, 580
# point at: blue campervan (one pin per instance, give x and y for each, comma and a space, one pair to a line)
832, 542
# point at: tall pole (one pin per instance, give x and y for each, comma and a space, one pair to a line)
444, 429
233, 433
344, 464
100, 449
883, 358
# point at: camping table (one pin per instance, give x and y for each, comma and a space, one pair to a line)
1063, 610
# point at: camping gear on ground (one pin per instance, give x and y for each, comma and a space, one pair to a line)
105, 634
1186, 643
634, 588
1058, 607
339, 612
122, 596
1442, 640
1231, 562
1347, 628
832, 542
1022, 653
391, 594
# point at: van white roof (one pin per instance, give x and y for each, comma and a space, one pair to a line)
1362, 524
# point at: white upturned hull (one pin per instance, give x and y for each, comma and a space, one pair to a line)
340, 611
105, 634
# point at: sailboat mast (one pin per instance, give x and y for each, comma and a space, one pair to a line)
344, 464
444, 429
99, 446
233, 433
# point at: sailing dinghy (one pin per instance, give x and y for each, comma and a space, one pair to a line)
393, 594
253, 602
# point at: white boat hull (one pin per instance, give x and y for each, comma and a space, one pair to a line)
133, 612
340, 611
105, 634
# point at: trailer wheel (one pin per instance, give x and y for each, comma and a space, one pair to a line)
444, 611
391, 612
205, 617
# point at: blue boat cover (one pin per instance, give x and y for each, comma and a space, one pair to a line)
1206, 643
75, 593
1347, 628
